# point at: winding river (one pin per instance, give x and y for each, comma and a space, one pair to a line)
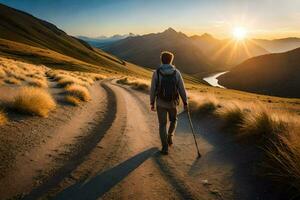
213, 79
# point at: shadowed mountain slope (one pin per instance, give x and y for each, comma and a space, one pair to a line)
273, 74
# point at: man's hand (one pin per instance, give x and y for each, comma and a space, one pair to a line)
152, 108
185, 107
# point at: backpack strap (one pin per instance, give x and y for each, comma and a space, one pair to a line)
157, 75
175, 74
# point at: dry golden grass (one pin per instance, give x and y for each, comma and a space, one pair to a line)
19, 76
140, 86
15, 72
60, 76
2, 73
78, 91
98, 77
283, 159
72, 100
276, 132
261, 124
87, 80
36, 76
124, 81
67, 80
12, 80
3, 118
38, 83
233, 115
34, 101
204, 105
137, 84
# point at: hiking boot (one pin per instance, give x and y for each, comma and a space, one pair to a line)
170, 140
164, 152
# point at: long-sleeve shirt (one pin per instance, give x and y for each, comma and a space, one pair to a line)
167, 69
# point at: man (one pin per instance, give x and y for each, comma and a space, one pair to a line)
166, 83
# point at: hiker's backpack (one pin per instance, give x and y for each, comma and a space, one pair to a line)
167, 87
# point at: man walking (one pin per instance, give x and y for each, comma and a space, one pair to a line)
166, 86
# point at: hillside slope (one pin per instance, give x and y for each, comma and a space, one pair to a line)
273, 74
145, 50
25, 37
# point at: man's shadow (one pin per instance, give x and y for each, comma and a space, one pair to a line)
97, 186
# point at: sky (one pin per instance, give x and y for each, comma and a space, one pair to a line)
261, 18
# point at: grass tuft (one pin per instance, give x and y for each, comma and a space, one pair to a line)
3, 118
233, 116
261, 124
2, 73
72, 100
140, 86
98, 77
204, 106
35, 101
78, 91
282, 162
12, 80
136, 84
38, 83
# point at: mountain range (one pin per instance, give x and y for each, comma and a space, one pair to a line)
145, 51
102, 41
193, 55
220, 54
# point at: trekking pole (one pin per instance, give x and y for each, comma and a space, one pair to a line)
191, 124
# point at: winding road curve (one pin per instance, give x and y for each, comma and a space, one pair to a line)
112, 153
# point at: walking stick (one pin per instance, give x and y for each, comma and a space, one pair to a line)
191, 124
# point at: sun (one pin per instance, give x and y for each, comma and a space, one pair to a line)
239, 33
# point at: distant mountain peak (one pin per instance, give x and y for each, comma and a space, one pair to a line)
207, 36
131, 35
170, 30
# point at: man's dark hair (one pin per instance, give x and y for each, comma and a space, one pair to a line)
166, 57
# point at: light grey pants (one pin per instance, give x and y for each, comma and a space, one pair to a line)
163, 114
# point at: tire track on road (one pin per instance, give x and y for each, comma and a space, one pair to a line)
81, 149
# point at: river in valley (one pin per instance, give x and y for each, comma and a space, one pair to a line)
213, 79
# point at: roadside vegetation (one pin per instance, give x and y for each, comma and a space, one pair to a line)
75, 84
72, 100
31, 93
137, 84
275, 132
19, 73
78, 91
35, 101
3, 118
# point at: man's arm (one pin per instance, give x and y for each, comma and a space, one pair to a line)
153, 89
181, 89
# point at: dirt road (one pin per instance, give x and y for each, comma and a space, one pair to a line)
109, 150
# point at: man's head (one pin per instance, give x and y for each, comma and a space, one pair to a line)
166, 57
